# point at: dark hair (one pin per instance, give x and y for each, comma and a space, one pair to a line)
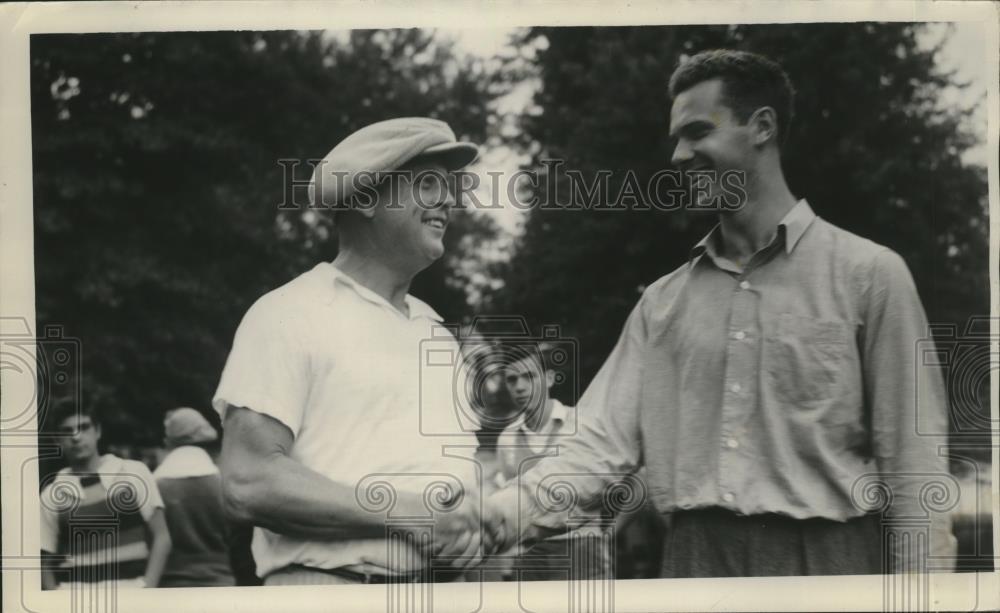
750, 81
62, 412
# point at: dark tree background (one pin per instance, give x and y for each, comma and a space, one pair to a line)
157, 182
157, 185
157, 189
871, 149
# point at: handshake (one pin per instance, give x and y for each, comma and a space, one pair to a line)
475, 529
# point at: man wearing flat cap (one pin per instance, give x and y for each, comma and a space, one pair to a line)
320, 396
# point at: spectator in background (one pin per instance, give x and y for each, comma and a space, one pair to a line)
81, 500
191, 488
529, 377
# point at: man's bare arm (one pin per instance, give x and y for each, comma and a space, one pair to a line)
159, 552
262, 485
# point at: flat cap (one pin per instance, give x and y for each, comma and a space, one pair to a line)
382, 147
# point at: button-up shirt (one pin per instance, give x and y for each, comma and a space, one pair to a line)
368, 393
790, 386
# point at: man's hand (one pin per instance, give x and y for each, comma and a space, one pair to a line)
500, 520
499, 537
456, 533
459, 536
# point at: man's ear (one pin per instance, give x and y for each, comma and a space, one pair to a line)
368, 193
365, 206
764, 124
550, 379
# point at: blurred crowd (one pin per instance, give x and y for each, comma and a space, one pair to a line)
158, 522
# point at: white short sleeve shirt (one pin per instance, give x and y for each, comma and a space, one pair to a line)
350, 376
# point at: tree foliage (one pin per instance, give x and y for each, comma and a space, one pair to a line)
157, 188
157, 184
870, 147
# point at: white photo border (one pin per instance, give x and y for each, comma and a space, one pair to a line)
18, 456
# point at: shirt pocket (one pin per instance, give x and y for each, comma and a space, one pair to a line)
808, 359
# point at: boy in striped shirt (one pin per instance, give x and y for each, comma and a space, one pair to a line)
102, 516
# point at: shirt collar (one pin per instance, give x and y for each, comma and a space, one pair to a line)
705, 245
418, 308
792, 226
556, 417
796, 222
108, 468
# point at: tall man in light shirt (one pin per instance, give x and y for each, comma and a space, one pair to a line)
321, 394
764, 382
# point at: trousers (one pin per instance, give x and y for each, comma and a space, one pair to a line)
715, 542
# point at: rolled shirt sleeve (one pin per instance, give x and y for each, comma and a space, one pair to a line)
266, 370
906, 396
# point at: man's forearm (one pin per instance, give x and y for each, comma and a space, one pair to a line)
604, 448
158, 554
288, 498
535, 506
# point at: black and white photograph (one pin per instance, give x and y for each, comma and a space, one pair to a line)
498, 307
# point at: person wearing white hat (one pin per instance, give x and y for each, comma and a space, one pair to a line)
320, 394
191, 488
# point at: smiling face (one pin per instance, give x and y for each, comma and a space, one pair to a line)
411, 218
709, 136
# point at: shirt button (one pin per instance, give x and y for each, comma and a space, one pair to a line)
728, 497
735, 388
732, 443
744, 285
740, 335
